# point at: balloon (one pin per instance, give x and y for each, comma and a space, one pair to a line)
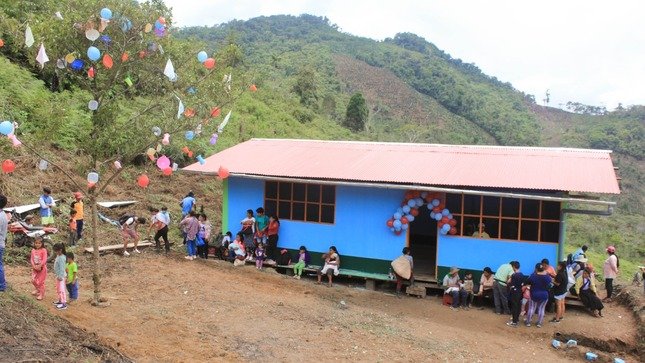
91, 185
147, 28
397, 223
399, 210
209, 63
77, 64
430, 206
161, 20
437, 217
93, 105
69, 58
453, 230
253, 88
223, 172
92, 34
449, 216
151, 151
163, 162
445, 228
117, 165
143, 181
409, 217
90, 72
175, 166
215, 112
397, 216
404, 226
167, 171
6, 127
437, 210
213, 140
106, 39
435, 202
42, 165
424, 195
432, 214
412, 203
404, 220
398, 233
414, 212
201, 160
93, 53
202, 56
390, 223
160, 32
189, 135
166, 139
107, 61
93, 177
452, 222
126, 25
406, 209
445, 212
443, 232
1, 43
8, 166
445, 219
156, 131
14, 140
124, 57
106, 14
158, 25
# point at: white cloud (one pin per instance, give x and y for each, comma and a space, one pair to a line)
586, 51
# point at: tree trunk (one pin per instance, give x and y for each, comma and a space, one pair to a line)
96, 271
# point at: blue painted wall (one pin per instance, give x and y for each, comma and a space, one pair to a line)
476, 253
359, 229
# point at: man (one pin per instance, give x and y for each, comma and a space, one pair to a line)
46, 204
481, 234
160, 222
580, 251
453, 285
3, 236
500, 295
78, 206
187, 204
129, 224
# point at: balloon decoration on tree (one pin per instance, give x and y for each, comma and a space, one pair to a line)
143, 181
409, 209
6, 128
8, 166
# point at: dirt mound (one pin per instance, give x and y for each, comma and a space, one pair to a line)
28, 333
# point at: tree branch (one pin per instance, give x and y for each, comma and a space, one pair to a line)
67, 174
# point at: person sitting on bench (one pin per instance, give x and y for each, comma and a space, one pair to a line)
454, 287
332, 264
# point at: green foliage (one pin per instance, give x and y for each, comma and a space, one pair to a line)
356, 114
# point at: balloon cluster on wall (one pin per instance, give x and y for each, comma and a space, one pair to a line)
409, 210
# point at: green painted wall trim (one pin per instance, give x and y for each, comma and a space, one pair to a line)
225, 205
351, 262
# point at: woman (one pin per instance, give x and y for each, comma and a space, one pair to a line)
248, 231
586, 289
332, 264
540, 282
272, 233
560, 290
610, 271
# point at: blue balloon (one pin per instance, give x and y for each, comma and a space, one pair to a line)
419, 202
432, 214
77, 64
412, 203
430, 206
449, 216
404, 226
158, 25
406, 209
106, 39
445, 228
443, 232
191, 90
435, 202
437, 217
445, 212
93, 53
106, 14
410, 217
397, 229
399, 210
396, 224
397, 216
424, 195
189, 135
392, 229
6, 127
202, 56
126, 25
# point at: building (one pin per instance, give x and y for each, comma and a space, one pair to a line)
358, 196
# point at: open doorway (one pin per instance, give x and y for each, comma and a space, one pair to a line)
423, 242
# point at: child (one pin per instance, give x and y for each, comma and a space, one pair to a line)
38, 268
469, 286
203, 236
303, 260
259, 256
73, 233
526, 296
332, 262
236, 249
72, 277
59, 270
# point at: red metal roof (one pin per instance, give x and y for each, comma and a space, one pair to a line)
572, 170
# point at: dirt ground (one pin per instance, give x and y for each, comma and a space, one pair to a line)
170, 309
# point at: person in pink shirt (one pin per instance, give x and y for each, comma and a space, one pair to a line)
38, 268
610, 271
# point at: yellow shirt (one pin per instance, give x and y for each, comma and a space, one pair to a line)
78, 207
481, 235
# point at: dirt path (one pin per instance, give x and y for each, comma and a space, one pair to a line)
170, 309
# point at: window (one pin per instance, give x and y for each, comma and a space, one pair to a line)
506, 218
300, 201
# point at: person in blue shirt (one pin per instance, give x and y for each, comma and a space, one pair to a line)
46, 204
187, 204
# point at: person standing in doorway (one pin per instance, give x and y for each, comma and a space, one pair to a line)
78, 206
46, 204
3, 237
610, 271
500, 295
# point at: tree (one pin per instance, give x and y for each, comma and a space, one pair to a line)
306, 87
123, 70
357, 113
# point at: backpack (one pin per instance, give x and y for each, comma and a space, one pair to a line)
570, 259
124, 218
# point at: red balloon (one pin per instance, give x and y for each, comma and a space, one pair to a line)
398, 233
452, 222
445, 220
215, 111
90, 185
440, 224
404, 220
222, 172
167, 171
441, 206
8, 166
143, 181
436, 210
107, 61
390, 222
209, 63
1, 43
414, 212
452, 230
253, 88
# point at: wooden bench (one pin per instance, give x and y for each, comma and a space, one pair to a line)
369, 277
111, 248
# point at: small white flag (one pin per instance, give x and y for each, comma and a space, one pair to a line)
180, 108
42, 58
29, 37
169, 71
221, 126
59, 16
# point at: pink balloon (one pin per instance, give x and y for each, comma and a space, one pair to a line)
163, 162
166, 139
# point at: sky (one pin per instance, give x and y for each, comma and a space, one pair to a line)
591, 51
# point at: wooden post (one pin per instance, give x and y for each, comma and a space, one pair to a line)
370, 284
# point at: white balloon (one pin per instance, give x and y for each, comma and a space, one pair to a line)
92, 34
93, 105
